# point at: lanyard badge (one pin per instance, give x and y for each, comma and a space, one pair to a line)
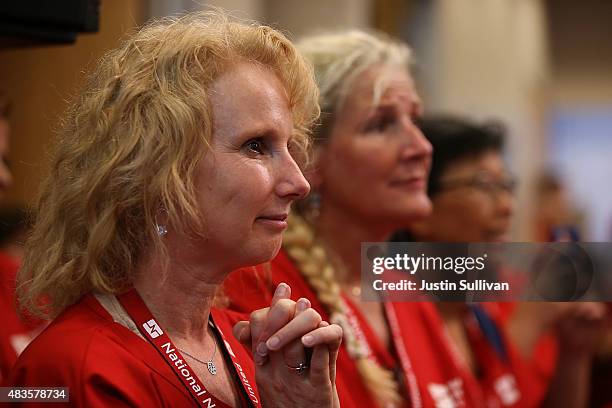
153, 332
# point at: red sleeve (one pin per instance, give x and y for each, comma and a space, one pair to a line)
15, 332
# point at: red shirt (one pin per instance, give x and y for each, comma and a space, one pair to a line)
505, 379
105, 364
546, 350
15, 332
250, 289
432, 373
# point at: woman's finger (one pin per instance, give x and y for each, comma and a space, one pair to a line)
331, 335
293, 354
327, 340
275, 317
242, 332
282, 291
281, 310
303, 323
257, 323
278, 316
320, 375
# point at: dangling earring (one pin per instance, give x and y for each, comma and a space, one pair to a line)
161, 229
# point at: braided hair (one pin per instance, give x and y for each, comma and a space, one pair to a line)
313, 261
338, 60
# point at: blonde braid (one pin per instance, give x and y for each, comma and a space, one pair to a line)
314, 264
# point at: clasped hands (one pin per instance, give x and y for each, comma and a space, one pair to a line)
294, 351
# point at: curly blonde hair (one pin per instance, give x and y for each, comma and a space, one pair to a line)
339, 59
130, 144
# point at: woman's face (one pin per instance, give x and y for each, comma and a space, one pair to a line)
376, 162
248, 179
475, 202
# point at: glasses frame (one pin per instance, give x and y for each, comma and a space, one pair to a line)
484, 182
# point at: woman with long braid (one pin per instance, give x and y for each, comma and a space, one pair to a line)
368, 177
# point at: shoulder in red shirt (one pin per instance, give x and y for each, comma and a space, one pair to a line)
105, 364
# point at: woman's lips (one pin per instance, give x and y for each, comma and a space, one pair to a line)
497, 236
413, 183
274, 221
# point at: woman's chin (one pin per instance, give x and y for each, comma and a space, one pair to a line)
420, 208
264, 253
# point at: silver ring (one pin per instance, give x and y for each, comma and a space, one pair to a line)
300, 369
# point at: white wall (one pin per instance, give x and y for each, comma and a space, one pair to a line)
488, 59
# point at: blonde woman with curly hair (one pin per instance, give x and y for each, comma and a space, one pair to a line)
368, 176
175, 166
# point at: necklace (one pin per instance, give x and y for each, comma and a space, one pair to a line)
210, 364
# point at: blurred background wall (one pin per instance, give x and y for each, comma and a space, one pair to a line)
541, 67
39, 80
579, 108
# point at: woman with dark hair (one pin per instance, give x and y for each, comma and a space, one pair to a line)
468, 177
489, 347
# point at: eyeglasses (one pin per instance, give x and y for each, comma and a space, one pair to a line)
484, 182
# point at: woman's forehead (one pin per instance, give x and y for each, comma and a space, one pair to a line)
489, 160
381, 84
247, 99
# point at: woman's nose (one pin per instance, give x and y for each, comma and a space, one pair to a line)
505, 203
292, 183
416, 145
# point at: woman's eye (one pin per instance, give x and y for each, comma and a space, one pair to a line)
380, 124
255, 146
